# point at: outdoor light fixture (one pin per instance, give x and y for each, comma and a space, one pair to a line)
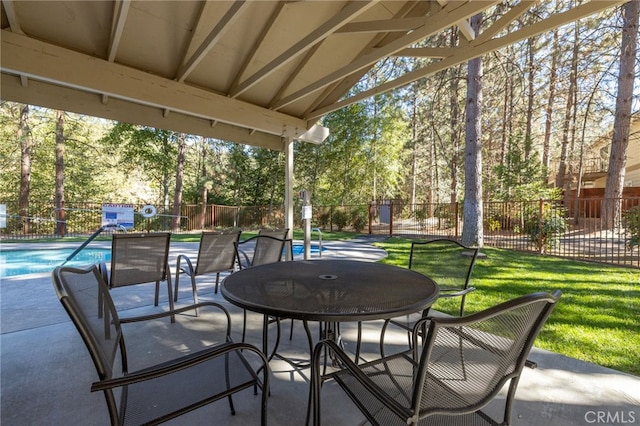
316, 134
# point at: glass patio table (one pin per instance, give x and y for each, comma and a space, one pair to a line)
330, 292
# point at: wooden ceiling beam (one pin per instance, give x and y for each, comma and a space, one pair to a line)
56, 65
350, 11
81, 102
444, 19
263, 34
234, 12
120, 12
478, 47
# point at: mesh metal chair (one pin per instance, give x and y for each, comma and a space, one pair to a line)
164, 391
459, 369
138, 259
268, 249
449, 264
216, 254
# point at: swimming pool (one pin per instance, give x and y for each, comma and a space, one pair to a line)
21, 262
299, 249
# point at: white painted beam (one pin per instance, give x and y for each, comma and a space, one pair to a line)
56, 65
67, 99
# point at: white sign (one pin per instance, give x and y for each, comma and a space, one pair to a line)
117, 215
3, 215
306, 212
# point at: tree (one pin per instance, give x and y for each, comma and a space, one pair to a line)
26, 150
148, 152
177, 194
472, 232
59, 191
546, 145
622, 120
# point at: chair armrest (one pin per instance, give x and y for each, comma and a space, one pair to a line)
246, 258
454, 292
178, 364
178, 311
188, 269
102, 268
348, 364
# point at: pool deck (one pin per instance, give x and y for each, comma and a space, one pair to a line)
45, 371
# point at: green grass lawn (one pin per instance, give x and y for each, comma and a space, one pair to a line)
597, 319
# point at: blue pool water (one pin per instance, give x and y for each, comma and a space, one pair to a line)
20, 262
299, 249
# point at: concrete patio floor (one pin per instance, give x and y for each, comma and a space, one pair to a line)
46, 373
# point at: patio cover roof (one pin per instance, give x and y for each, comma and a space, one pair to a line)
253, 72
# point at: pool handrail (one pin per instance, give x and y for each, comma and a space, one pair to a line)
91, 238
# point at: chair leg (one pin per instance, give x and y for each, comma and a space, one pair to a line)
217, 281
228, 380
157, 299
244, 324
195, 292
359, 342
382, 333
170, 296
175, 289
291, 330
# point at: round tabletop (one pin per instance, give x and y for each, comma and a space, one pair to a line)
330, 290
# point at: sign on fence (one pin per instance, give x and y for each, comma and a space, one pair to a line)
117, 215
3, 215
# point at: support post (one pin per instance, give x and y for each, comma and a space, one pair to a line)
288, 185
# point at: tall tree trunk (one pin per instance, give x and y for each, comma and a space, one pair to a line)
455, 135
61, 224
528, 137
177, 196
203, 175
434, 194
454, 107
26, 150
550, 101
472, 232
622, 120
414, 147
563, 180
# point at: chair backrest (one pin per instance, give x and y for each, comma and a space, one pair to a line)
217, 252
281, 234
139, 258
277, 233
85, 296
267, 249
466, 361
445, 261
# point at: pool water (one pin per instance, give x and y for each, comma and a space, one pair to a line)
299, 249
21, 262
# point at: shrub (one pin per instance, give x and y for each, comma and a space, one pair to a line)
546, 232
445, 216
340, 218
359, 218
493, 224
631, 224
420, 215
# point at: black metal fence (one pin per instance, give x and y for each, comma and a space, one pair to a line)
541, 226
